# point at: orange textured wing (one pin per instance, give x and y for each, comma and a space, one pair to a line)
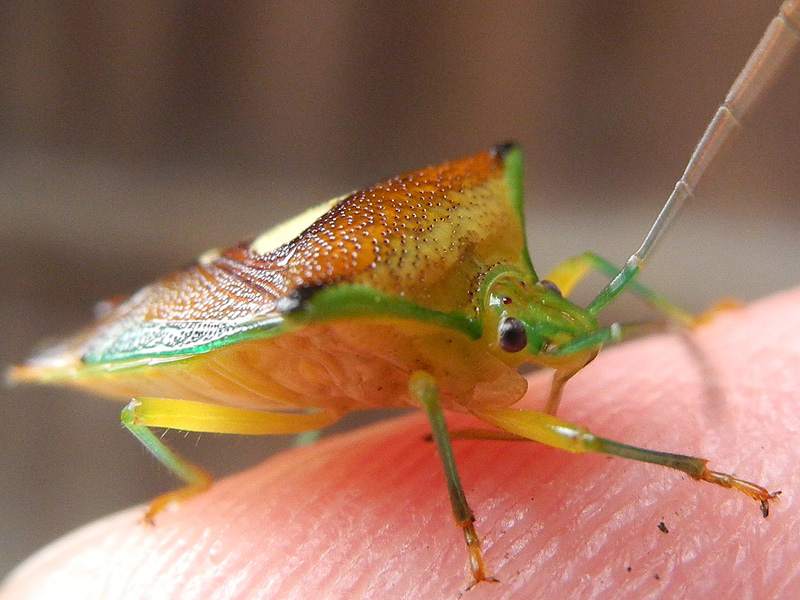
427, 236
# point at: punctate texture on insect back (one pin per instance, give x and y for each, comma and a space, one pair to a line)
418, 291
426, 238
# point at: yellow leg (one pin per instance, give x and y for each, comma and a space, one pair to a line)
560, 378
569, 273
142, 413
554, 432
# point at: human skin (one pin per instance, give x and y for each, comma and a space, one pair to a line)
366, 515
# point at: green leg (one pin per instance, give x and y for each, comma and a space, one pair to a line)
423, 387
560, 378
142, 413
554, 432
595, 339
567, 275
306, 438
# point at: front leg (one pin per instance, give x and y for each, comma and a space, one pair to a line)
554, 432
423, 387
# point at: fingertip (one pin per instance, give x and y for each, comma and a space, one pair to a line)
366, 515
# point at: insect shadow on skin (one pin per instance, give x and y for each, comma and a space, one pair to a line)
418, 291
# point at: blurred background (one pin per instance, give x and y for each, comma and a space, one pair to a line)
136, 134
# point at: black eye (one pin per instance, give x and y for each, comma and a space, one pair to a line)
545, 283
512, 335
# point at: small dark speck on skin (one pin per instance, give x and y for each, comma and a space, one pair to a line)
663, 527
656, 576
629, 569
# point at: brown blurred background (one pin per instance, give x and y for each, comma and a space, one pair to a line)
136, 134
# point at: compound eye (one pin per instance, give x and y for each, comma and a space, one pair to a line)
513, 337
546, 283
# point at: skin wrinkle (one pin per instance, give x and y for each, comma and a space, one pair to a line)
389, 527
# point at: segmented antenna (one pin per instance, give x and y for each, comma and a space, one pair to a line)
773, 53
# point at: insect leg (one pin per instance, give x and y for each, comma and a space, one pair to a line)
570, 272
616, 333
591, 341
142, 413
554, 432
560, 378
479, 433
306, 438
423, 387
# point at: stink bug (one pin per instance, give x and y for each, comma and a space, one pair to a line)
418, 291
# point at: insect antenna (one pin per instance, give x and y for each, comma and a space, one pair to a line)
771, 56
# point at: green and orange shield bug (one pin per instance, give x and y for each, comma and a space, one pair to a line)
418, 291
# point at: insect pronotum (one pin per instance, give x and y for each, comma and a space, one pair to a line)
436, 262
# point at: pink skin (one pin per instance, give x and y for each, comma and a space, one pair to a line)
365, 515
